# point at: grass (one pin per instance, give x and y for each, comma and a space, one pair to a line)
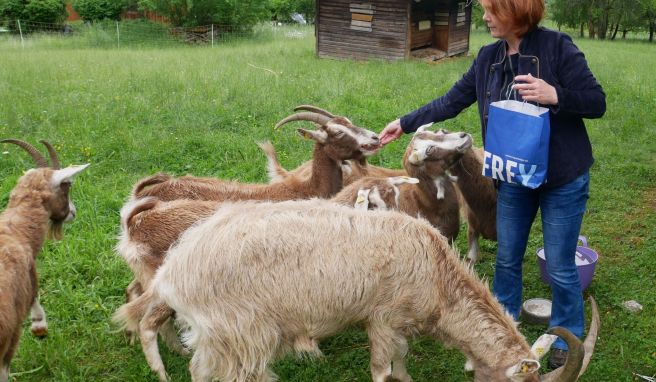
133, 112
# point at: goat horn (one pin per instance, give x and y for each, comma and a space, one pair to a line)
569, 372
588, 346
314, 109
591, 338
36, 155
305, 116
52, 153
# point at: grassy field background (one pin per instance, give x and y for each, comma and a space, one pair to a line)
133, 112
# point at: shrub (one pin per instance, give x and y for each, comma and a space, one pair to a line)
95, 10
43, 11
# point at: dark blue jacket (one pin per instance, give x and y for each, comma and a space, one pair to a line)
551, 56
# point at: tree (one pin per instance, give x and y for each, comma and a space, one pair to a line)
229, 13
281, 10
43, 11
95, 10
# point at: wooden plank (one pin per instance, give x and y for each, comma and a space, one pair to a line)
360, 28
357, 23
361, 17
365, 11
362, 5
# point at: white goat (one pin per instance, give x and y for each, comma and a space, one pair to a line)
336, 139
150, 226
255, 279
38, 204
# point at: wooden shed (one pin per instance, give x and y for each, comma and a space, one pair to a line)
392, 29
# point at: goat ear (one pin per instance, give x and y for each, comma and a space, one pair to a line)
66, 174
523, 369
542, 345
362, 202
403, 179
423, 127
315, 135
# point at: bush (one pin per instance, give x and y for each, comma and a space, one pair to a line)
95, 10
43, 11
230, 13
281, 10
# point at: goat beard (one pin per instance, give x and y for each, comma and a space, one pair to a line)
56, 230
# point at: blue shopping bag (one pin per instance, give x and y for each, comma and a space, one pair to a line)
517, 143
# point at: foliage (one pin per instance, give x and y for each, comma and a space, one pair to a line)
228, 13
43, 11
604, 18
134, 112
281, 10
94, 10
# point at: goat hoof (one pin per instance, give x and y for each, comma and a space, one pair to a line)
40, 331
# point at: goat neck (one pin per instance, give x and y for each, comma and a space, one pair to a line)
472, 184
26, 216
326, 177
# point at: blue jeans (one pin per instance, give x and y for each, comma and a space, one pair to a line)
562, 209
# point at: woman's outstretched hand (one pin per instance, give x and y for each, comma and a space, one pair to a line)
536, 90
391, 132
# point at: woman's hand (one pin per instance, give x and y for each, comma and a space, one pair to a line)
391, 132
536, 90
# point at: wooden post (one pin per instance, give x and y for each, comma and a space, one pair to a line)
118, 37
20, 31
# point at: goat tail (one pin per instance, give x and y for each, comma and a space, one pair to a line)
127, 317
274, 169
147, 182
134, 208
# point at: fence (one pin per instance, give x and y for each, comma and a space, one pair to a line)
130, 33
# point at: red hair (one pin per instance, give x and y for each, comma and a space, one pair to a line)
523, 15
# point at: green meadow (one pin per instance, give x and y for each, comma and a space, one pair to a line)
132, 112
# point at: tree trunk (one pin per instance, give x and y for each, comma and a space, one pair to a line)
624, 32
617, 27
581, 30
591, 29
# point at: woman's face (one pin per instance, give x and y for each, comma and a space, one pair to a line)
497, 29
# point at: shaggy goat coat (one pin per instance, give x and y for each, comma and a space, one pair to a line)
253, 278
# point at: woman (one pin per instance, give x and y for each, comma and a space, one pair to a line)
541, 66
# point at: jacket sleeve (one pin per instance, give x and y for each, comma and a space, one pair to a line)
458, 98
578, 90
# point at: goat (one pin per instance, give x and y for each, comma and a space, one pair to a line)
336, 139
428, 157
150, 226
478, 198
254, 279
351, 169
38, 205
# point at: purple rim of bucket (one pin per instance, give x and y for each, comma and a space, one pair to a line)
585, 271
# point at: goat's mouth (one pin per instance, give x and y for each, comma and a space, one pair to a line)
466, 145
370, 148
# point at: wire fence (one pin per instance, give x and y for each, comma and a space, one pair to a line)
139, 33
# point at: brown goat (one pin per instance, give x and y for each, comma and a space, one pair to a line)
336, 139
478, 198
38, 204
434, 198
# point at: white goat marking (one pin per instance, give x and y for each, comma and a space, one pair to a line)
439, 184
362, 201
376, 200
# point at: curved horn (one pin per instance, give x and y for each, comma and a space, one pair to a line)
569, 372
36, 155
314, 109
305, 116
53, 155
591, 338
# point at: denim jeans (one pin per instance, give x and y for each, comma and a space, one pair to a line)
562, 210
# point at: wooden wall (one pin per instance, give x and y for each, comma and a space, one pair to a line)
390, 29
337, 35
